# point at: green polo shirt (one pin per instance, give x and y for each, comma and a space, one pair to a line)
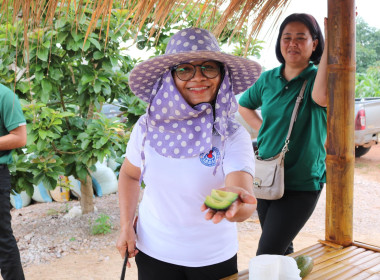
11, 117
305, 161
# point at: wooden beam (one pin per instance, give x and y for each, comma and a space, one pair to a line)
340, 122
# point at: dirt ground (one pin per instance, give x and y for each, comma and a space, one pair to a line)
95, 257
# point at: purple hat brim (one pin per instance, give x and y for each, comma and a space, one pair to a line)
244, 72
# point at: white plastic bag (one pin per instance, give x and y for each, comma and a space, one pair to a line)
20, 200
105, 178
41, 194
273, 267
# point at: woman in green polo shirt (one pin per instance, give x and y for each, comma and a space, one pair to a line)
299, 48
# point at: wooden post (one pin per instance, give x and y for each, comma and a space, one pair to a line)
340, 121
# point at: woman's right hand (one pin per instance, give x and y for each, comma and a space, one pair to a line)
127, 240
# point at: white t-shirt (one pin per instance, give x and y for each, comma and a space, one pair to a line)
171, 227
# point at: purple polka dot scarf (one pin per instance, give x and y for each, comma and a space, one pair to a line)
177, 130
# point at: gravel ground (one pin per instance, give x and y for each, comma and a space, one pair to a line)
45, 231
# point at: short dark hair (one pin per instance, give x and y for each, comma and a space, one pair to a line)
314, 30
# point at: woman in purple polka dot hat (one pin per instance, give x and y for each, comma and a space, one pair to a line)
187, 144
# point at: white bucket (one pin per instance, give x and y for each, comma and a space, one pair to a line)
273, 267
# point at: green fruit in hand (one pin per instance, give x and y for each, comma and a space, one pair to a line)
220, 200
223, 195
305, 264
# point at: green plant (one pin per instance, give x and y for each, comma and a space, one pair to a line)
62, 82
61, 210
102, 225
72, 239
368, 84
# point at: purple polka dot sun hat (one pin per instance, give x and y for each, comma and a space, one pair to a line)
188, 45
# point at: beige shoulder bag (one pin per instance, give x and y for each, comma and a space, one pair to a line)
269, 173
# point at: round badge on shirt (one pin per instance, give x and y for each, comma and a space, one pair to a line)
211, 157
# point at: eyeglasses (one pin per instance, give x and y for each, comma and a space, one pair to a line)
186, 71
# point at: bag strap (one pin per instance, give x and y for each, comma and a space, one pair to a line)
294, 116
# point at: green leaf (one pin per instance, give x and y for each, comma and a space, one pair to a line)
85, 143
83, 136
86, 45
86, 79
98, 55
106, 89
81, 171
46, 44
76, 36
97, 86
102, 141
49, 183
61, 22
42, 134
43, 54
95, 43
38, 176
55, 73
107, 65
114, 61
23, 86
66, 114
45, 96
46, 86
70, 43
39, 75
41, 145
104, 79
77, 46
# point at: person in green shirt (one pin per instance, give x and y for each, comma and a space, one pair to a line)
12, 136
299, 47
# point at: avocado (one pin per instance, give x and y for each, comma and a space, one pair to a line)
220, 200
305, 264
223, 195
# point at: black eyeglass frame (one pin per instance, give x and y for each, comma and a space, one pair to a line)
220, 68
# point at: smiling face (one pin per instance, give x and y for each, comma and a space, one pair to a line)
198, 89
297, 44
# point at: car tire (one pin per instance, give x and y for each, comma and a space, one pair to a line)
361, 151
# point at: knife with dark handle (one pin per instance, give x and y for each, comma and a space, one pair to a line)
124, 265
126, 253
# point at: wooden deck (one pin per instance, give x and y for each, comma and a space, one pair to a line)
359, 261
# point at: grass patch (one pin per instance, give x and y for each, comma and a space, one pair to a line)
102, 225
61, 210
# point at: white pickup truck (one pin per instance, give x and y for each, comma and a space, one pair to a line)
367, 124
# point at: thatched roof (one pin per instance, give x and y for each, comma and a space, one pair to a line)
41, 12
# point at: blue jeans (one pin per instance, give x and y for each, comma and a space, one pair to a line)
10, 262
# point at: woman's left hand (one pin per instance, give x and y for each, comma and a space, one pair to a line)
233, 213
